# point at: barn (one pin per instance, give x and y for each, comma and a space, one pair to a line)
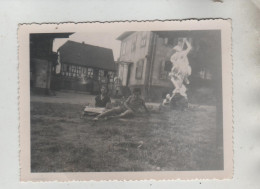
43, 60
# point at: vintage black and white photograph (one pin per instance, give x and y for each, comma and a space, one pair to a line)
144, 100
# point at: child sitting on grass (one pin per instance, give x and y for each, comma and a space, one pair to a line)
131, 106
103, 99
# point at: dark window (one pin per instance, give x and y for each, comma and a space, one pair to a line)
143, 39
124, 48
165, 68
84, 70
168, 66
133, 46
205, 74
139, 69
90, 72
111, 76
101, 74
106, 73
166, 41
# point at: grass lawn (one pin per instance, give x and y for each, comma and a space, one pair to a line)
173, 141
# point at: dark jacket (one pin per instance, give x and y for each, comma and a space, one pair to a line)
102, 102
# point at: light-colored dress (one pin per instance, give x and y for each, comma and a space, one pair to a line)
181, 64
181, 69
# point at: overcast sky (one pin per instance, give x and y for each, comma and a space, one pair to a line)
107, 40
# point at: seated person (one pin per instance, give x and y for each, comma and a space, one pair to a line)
102, 100
131, 106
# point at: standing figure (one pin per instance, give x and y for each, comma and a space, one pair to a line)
181, 69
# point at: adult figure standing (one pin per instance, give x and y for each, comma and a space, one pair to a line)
181, 69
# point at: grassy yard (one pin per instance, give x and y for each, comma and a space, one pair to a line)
174, 141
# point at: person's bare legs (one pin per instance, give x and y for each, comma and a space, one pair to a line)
109, 113
126, 113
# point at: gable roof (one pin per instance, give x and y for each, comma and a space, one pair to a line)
87, 55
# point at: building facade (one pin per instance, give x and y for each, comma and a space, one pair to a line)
143, 63
84, 67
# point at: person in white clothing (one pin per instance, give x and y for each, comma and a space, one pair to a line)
181, 69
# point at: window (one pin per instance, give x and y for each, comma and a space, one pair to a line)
76, 71
79, 70
165, 69
166, 41
205, 74
133, 46
143, 39
124, 48
84, 70
106, 73
139, 69
90, 72
66, 70
101, 75
73, 71
63, 69
111, 76
168, 66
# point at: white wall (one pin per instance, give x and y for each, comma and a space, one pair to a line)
136, 55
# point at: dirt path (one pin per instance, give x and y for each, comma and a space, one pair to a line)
65, 97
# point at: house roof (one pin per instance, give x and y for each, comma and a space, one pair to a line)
87, 55
124, 35
50, 35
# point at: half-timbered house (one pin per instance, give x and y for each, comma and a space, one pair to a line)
84, 67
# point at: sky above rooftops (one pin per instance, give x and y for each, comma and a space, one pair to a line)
107, 40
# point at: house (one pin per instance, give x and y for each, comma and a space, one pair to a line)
144, 60
85, 67
140, 63
42, 60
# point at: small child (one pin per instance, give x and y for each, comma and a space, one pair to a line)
167, 100
102, 100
